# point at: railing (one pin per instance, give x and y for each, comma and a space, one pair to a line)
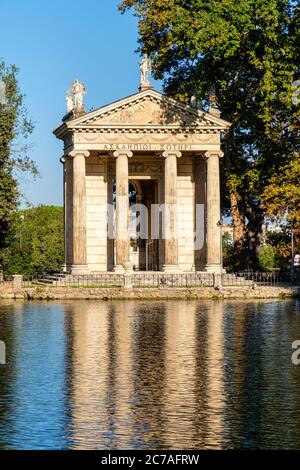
139, 280
268, 279
157, 280
27, 281
91, 280
172, 280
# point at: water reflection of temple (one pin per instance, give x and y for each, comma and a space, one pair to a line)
150, 375
138, 378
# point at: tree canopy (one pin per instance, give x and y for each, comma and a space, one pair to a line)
14, 130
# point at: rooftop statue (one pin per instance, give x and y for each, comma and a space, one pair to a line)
145, 69
74, 98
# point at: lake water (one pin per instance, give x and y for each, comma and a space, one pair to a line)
149, 375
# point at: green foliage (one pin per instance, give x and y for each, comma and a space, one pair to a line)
268, 258
229, 259
226, 240
228, 253
281, 198
36, 241
247, 52
282, 243
14, 126
282, 195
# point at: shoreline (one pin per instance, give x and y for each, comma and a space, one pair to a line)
105, 294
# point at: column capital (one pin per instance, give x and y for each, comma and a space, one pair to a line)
215, 153
169, 153
127, 153
74, 153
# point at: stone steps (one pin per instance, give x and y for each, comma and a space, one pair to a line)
50, 279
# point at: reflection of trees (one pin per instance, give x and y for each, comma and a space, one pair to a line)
7, 373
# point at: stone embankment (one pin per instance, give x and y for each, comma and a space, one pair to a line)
85, 293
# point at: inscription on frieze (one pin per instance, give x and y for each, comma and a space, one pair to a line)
148, 147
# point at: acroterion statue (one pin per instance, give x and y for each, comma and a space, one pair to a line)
74, 99
145, 68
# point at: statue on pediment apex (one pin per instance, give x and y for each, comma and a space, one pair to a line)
145, 69
74, 99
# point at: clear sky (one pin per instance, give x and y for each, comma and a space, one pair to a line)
53, 43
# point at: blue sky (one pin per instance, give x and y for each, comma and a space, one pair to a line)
53, 43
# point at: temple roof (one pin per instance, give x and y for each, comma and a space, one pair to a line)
147, 109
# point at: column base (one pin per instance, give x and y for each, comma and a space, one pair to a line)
64, 268
198, 268
79, 269
127, 281
118, 269
171, 268
68, 269
214, 269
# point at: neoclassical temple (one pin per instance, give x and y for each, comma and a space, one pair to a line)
156, 150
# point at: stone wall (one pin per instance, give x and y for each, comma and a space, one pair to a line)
68, 293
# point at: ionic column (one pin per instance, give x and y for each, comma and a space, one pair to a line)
122, 209
199, 170
213, 212
63, 161
79, 249
170, 202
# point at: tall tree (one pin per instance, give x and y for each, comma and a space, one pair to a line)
14, 128
36, 241
245, 52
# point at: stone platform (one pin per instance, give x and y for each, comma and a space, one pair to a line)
147, 294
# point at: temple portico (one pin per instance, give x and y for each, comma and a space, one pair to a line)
168, 153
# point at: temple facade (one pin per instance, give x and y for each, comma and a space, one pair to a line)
151, 153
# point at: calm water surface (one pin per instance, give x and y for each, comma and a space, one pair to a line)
98, 375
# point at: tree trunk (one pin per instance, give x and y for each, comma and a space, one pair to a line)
238, 220
254, 230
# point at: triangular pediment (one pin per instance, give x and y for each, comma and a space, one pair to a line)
148, 108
